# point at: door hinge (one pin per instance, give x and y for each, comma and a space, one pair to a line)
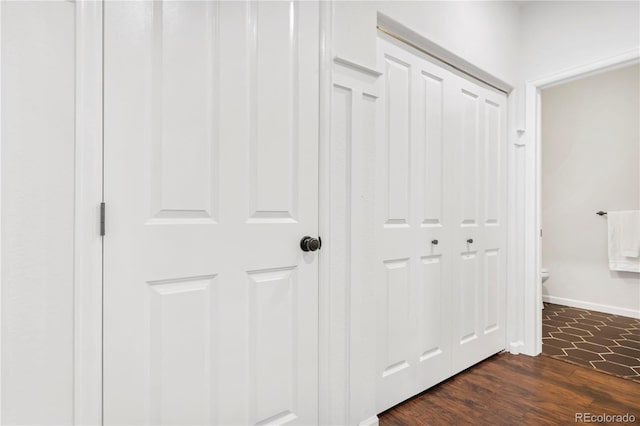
102, 218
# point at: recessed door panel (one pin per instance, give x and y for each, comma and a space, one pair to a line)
397, 316
397, 140
182, 341
182, 120
272, 344
492, 284
431, 126
493, 163
468, 298
469, 124
274, 94
431, 308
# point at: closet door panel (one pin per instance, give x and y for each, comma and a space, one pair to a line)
395, 228
493, 163
433, 225
440, 234
494, 211
466, 138
397, 141
397, 316
431, 338
413, 246
492, 286
480, 233
469, 123
468, 303
430, 121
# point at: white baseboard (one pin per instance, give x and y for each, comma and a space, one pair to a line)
625, 312
515, 347
371, 421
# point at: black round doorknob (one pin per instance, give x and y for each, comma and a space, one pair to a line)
470, 240
308, 243
434, 242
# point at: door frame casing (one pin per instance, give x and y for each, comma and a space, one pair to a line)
1, 6
87, 244
325, 379
87, 304
532, 285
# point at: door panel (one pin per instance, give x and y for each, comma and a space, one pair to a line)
431, 244
479, 141
468, 304
395, 217
211, 179
411, 217
398, 143
431, 134
469, 173
431, 334
179, 329
397, 316
273, 110
439, 223
493, 164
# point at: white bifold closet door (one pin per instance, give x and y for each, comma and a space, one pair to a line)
440, 228
210, 182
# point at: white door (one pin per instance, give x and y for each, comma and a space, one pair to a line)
440, 182
211, 180
479, 240
413, 225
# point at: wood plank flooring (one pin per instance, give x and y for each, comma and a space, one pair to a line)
519, 390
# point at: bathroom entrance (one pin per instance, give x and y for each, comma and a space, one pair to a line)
590, 221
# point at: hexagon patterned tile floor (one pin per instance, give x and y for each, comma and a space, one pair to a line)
605, 342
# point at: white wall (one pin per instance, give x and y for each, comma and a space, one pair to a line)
590, 162
37, 212
556, 35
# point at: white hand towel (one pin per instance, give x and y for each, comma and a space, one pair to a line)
624, 240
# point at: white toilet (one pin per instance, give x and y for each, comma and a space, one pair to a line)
544, 273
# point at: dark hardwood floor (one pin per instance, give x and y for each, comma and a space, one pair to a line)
519, 390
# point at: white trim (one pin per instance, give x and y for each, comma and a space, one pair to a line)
338, 60
615, 310
407, 35
87, 392
515, 348
326, 297
1, 143
514, 250
532, 298
624, 59
351, 194
371, 421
